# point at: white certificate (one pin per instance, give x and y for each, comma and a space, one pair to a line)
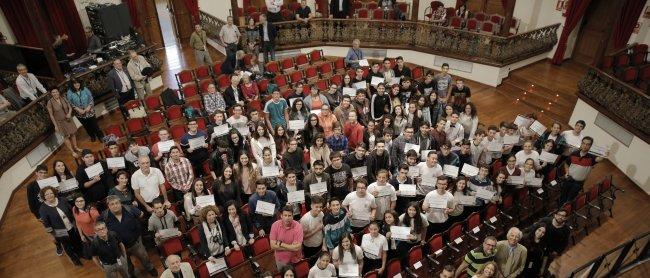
94, 170
469, 170
296, 125
51, 181
495, 146
196, 143
535, 182
115, 163
359, 171
521, 121
428, 180
164, 146
204, 201
244, 131
409, 146
599, 150
317, 188
400, 233
438, 203
265, 208
296, 196
407, 190
538, 128
394, 80
360, 85
376, 80
414, 171
68, 185
218, 266
516, 180
548, 157
371, 249
270, 171
385, 191
167, 233
315, 111
364, 63
350, 91
220, 130
466, 200
450, 171
510, 139
349, 270
484, 194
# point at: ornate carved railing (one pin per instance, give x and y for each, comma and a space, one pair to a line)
412, 35
624, 104
211, 25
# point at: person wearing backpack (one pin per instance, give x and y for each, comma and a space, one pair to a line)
124, 221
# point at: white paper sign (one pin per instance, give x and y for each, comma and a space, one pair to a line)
553, 183
360, 85
438, 203
364, 63
417, 265
265, 208
115, 163
386, 190
540, 191
414, 171
485, 194
296, 125
409, 146
510, 139
296, 196
350, 91
196, 143
495, 146
476, 230
349, 270
450, 171
521, 121
599, 150
538, 128
317, 188
493, 219
458, 240
167, 233
270, 171
466, 200
548, 157
375, 80
517, 180
394, 80
51, 181
220, 130
400, 233
469, 170
204, 201
359, 171
218, 266
94, 170
535, 182
68, 185
244, 131
407, 190
164, 146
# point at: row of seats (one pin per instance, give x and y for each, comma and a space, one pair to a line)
630, 65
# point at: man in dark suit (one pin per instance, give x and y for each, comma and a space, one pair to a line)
233, 95
340, 9
268, 32
121, 84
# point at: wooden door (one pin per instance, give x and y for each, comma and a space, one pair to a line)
182, 19
597, 26
149, 20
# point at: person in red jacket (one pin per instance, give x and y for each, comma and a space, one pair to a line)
353, 130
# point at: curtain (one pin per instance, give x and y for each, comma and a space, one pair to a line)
632, 10
133, 11
63, 18
16, 14
575, 11
193, 7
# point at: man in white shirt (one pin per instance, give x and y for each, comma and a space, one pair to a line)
229, 34
135, 66
437, 216
273, 8
526, 153
455, 131
312, 227
573, 137
428, 171
148, 183
361, 206
28, 85
384, 193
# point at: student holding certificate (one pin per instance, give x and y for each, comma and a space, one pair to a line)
271, 170
95, 187
460, 191
192, 209
238, 228
196, 150
481, 181
389, 220
417, 222
63, 175
385, 197
361, 206
160, 150
374, 247
547, 166
402, 178
438, 204
554, 134
577, 169
348, 257
263, 220
322, 268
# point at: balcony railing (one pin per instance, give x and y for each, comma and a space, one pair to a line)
419, 36
624, 104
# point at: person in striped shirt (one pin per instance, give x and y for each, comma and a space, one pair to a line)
477, 257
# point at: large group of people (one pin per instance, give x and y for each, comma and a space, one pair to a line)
325, 175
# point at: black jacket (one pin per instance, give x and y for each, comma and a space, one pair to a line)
115, 83
376, 163
246, 227
204, 251
229, 96
33, 199
272, 32
334, 8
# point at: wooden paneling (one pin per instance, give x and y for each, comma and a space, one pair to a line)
183, 18
596, 29
149, 19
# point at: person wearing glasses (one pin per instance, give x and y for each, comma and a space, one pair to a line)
214, 240
476, 258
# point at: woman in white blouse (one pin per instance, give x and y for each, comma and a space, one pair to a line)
192, 210
347, 255
375, 247
469, 120
323, 268
528, 171
320, 151
261, 139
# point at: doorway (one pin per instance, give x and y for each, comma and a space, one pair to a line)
597, 24
165, 12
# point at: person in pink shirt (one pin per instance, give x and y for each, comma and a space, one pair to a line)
286, 239
353, 130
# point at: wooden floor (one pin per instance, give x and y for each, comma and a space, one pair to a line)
27, 251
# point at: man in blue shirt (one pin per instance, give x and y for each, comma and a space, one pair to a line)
354, 54
263, 222
277, 111
124, 221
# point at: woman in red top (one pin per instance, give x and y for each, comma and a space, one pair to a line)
249, 88
85, 217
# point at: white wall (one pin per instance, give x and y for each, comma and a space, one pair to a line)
81, 8
217, 8
630, 160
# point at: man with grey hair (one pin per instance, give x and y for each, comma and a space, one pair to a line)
176, 268
148, 184
108, 252
124, 220
135, 66
28, 85
213, 100
121, 85
510, 255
